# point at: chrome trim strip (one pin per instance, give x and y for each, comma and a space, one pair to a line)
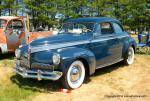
98, 40
38, 74
123, 36
67, 44
105, 39
55, 46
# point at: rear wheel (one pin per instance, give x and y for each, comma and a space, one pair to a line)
129, 57
75, 75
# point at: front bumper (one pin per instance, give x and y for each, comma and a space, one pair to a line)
38, 74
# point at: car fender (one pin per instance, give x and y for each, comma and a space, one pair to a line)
68, 55
3, 48
129, 42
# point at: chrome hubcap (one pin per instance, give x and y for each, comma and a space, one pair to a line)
130, 55
75, 74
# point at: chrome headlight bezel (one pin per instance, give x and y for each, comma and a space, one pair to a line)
56, 58
18, 53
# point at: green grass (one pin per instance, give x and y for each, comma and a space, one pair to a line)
13, 92
9, 88
15, 88
20, 88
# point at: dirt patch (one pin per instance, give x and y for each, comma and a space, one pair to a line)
113, 83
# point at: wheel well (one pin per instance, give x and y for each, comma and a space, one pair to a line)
133, 48
86, 65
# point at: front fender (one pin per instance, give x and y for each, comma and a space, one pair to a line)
3, 48
68, 55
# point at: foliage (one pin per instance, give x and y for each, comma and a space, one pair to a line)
10, 5
133, 13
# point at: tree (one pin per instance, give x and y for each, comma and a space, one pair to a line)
132, 13
1, 7
42, 12
11, 6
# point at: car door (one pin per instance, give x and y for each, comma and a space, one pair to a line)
105, 45
14, 33
122, 36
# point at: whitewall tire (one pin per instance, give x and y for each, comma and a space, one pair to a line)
129, 58
75, 75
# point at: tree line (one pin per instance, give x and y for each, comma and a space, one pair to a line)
134, 14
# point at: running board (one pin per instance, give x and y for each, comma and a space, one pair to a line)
108, 64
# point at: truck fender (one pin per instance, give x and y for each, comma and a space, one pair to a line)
3, 48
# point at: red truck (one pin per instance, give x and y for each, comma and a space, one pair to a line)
13, 31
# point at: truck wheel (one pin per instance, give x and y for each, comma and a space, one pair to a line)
75, 75
129, 57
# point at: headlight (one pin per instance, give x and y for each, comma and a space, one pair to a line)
18, 53
56, 58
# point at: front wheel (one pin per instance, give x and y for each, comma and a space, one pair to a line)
75, 75
129, 57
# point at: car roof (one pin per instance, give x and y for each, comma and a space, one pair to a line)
94, 19
9, 17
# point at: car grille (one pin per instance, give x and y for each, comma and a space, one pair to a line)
24, 62
42, 66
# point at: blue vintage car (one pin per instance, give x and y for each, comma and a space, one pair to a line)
81, 46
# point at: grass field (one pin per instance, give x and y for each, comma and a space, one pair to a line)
113, 80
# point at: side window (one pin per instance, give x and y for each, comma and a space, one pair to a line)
106, 28
117, 28
16, 24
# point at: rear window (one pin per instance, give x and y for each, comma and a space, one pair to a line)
117, 28
106, 28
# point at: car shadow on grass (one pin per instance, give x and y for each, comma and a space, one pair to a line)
47, 86
44, 86
108, 69
9, 56
105, 70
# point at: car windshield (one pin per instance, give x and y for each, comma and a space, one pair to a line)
77, 28
2, 23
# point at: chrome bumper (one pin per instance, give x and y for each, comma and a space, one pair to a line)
38, 74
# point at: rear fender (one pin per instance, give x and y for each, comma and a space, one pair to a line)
130, 43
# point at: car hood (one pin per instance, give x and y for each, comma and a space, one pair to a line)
59, 39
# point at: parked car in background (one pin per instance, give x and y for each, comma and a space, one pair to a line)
81, 46
13, 31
